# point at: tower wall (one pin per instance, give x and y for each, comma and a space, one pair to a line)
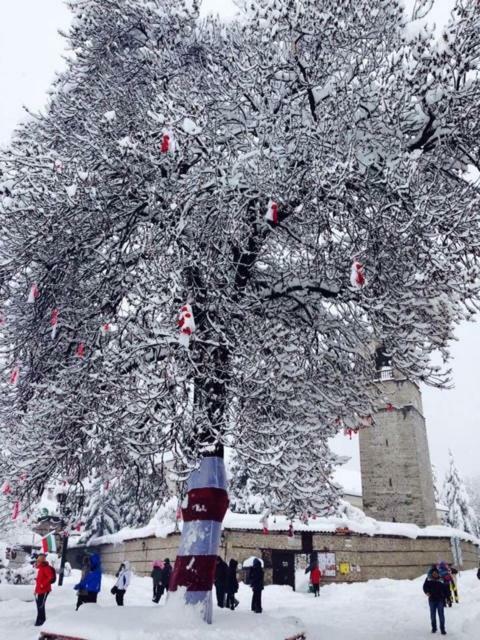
395, 463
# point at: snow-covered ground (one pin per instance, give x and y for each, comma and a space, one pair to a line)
377, 610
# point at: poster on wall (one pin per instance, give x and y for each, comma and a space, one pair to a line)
327, 564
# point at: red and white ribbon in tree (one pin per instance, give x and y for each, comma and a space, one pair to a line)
16, 510
54, 322
168, 144
357, 275
14, 375
80, 350
264, 521
186, 323
33, 294
272, 212
105, 328
203, 510
6, 488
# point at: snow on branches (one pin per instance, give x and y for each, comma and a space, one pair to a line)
460, 514
358, 131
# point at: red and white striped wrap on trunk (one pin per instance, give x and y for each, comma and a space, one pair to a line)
203, 511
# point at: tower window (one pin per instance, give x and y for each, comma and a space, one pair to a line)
390, 482
386, 442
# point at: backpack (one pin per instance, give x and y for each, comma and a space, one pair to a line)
53, 579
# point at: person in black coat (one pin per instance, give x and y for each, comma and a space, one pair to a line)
156, 576
166, 573
221, 572
256, 582
232, 584
438, 592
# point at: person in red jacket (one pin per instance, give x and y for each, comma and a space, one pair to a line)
43, 586
315, 577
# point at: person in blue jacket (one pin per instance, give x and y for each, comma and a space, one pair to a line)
89, 586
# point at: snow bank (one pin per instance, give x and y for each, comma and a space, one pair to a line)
16, 592
374, 610
174, 620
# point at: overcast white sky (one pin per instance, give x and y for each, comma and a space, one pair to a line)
30, 52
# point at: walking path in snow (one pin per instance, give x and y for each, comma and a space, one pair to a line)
377, 610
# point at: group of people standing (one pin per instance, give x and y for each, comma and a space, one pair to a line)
442, 590
160, 575
226, 584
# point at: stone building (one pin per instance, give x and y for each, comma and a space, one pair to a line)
347, 551
397, 484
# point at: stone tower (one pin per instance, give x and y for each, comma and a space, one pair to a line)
397, 483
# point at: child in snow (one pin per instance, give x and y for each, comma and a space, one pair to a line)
437, 592
315, 577
232, 585
156, 576
123, 576
43, 586
90, 583
256, 582
446, 576
454, 583
82, 593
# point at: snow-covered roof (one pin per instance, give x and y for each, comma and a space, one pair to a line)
351, 519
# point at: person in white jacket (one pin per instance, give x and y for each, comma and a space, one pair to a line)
124, 575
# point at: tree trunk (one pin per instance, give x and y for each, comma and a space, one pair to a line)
203, 511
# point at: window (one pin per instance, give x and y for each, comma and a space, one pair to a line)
386, 442
390, 482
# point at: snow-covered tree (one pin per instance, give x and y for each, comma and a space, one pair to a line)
473, 489
455, 497
295, 183
244, 495
101, 513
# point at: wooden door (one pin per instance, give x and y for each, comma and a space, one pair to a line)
283, 565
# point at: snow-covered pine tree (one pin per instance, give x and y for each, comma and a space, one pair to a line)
244, 495
455, 497
101, 514
112, 503
473, 489
236, 172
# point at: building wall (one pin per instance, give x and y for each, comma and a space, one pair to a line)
376, 557
395, 461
